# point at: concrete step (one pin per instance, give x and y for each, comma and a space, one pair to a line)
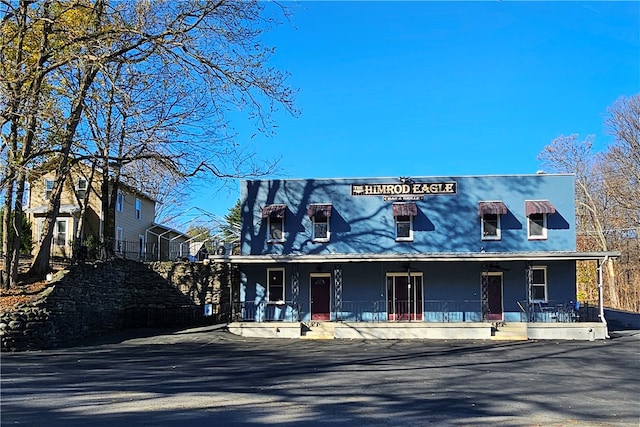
509, 332
317, 331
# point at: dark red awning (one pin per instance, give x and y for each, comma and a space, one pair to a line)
539, 207
496, 208
405, 209
319, 210
274, 211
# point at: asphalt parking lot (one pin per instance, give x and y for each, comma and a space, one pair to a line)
208, 377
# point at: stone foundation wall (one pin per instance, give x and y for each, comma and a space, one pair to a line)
92, 299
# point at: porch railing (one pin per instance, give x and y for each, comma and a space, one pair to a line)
436, 311
560, 311
263, 311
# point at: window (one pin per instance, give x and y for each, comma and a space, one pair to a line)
81, 188
404, 228
539, 284
48, 188
320, 215
141, 251
490, 212
40, 227
490, 227
138, 209
537, 226
537, 212
276, 229
403, 214
60, 238
275, 285
320, 228
274, 214
119, 238
119, 201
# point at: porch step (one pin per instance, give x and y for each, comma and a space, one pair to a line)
317, 330
502, 331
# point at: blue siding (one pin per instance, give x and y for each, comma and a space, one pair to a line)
451, 291
445, 223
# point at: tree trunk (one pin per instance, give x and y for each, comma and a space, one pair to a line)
17, 227
6, 235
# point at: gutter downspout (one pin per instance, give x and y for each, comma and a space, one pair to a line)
601, 296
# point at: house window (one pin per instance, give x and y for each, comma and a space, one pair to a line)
537, 226
141, 242
60, 238
40, 227
491, 227
119, 201
274, 214
403, 214
537, 212
275, 285
490, 212
404, 228
138, 209
48, 188
276, 229
539, 284
320, 215
119, 240
81, 188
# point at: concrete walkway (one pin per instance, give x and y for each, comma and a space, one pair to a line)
207, 376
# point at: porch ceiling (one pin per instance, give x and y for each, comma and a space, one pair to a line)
418, 257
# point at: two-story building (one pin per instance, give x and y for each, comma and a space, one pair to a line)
423, 257
137, 235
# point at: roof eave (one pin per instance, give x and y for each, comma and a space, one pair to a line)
431, 257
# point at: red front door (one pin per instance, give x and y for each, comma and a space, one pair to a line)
494, 292
321, 296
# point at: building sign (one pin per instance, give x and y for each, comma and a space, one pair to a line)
410, 191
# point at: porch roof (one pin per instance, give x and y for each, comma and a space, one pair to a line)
65, 209
417, 257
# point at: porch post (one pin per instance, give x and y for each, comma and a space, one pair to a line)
484, 292
295, 291
601, 296
337, 275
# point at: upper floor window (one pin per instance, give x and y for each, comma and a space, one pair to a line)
48, 188
81, 188
274, 214
490, 213
320, 215
119, 201
138, 209
537, 212
275, 285
538, 284
403, 214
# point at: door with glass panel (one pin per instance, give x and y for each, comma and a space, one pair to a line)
404, 296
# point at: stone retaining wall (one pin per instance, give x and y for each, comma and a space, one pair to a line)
92, 299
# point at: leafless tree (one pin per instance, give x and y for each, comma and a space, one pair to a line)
607, 198
210, 52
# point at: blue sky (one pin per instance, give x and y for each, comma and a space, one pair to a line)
440, 88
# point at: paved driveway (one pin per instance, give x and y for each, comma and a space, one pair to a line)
207, 377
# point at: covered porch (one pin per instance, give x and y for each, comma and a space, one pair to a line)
404, 305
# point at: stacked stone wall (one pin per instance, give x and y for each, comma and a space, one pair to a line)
93, 299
